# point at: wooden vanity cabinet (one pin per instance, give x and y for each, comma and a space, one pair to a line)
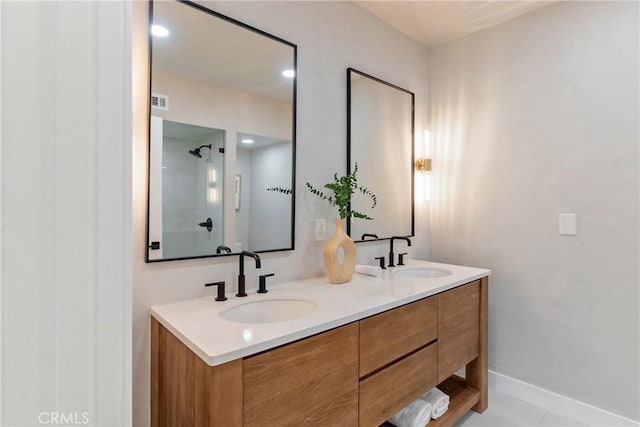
359, 374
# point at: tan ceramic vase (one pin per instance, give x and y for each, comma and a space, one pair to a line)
339, 273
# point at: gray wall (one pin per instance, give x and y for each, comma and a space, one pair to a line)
533, 118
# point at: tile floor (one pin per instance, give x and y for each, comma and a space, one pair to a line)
507, 411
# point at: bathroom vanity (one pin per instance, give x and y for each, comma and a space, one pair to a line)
363, 351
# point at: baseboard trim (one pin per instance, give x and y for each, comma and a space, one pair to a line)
557, 403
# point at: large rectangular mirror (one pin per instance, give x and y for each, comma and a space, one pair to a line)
221, 133
380, 132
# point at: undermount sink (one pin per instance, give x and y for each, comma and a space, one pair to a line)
268, 310
422, 272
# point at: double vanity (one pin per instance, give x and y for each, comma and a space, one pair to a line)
310, 353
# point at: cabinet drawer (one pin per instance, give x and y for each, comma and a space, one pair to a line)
386, 392
312, 382
458, 328
390, 335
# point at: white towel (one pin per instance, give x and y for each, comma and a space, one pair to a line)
417, 414
369, 270
439, 402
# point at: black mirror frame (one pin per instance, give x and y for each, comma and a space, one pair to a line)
413, 210
219, 15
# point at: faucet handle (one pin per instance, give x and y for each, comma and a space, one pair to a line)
220, 285
381, 259
401, 258
262, 284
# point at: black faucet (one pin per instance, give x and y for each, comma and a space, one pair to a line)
391, 256
256, 257
223, 248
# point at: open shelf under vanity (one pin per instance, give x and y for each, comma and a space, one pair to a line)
461, 399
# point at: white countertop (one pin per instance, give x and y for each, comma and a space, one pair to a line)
197, 323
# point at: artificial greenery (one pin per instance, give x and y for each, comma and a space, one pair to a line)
343, 188
280, 190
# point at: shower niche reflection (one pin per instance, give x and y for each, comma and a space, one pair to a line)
216, 82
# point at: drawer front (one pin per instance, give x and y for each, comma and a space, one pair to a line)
458, 328
390, 335
312, 382
386, 392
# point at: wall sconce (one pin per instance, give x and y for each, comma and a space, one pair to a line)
423, 164
422, 168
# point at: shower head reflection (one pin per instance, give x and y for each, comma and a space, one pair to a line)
196, 151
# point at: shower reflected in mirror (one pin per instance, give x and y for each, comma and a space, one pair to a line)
188, 189
196, 151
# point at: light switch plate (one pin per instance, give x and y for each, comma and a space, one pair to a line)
568, 224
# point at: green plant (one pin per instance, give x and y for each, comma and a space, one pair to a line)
280, 190
343, 188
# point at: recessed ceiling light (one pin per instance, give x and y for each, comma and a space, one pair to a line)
247, 141
289, 73
159, 30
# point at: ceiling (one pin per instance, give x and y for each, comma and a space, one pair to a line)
259, 141
432, 23
205, 48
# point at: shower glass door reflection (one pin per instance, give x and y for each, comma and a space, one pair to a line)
191, 196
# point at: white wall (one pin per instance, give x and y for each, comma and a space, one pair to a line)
331, 36
66, 212
532, 118
269, 224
